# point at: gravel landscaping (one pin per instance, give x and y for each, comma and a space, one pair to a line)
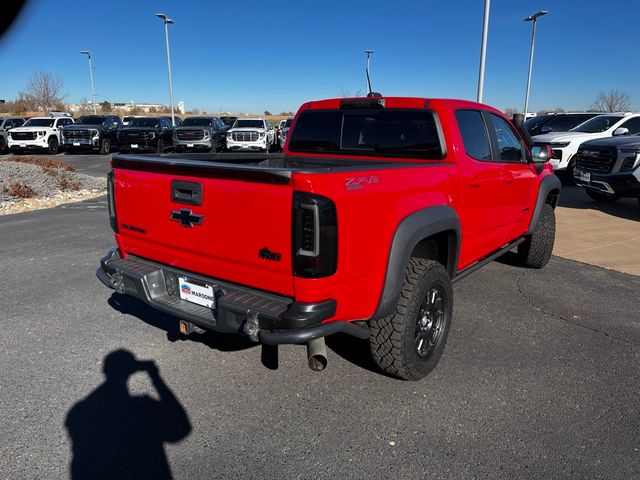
28, 183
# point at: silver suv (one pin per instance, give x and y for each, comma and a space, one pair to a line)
6, 124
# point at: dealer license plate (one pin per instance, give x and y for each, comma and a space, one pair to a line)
190, 145
134, 145
201, 294
23, 145
76, 144
582, 176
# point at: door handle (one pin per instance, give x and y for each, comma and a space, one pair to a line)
186, 192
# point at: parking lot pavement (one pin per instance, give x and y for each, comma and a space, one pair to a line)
540, 379
606, 235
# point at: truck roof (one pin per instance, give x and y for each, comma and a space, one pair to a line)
390, 102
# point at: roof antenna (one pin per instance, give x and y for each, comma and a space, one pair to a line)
368, 52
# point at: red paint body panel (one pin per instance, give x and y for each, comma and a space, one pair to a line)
494, 202
240, 218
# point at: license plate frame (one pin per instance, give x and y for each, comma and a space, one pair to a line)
582, 176
197, 292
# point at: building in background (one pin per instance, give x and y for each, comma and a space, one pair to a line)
128, 107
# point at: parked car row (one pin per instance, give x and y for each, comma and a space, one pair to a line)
601, 154
106, 133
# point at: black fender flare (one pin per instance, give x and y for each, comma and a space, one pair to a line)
411, 230
547, 185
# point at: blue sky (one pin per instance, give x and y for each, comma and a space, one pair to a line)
241, 56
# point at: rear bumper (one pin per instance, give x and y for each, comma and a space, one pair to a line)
273, 319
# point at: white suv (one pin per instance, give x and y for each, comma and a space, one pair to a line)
38, 133
564, 145
251, 134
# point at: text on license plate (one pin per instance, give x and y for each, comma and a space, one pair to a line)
194, 293
582, 176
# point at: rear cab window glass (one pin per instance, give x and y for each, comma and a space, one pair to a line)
397, 133
474, 134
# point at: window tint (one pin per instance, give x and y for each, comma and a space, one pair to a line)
563, 123
509, 146
474, 134
317, 131
408, 133
633, 125
598, 124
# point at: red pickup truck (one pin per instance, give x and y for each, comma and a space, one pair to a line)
376, 207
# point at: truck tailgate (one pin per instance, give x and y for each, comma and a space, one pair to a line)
238, 228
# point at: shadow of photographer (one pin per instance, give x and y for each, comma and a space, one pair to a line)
117, 435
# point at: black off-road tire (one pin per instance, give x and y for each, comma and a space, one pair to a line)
536, 250
601, 197
394, 339
105, 146
54, 146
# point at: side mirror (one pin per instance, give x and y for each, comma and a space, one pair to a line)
546, 129
541, 153
620, 131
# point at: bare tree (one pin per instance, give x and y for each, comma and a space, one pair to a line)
346, 93
84, 107
510, 111
24, 103
46, 90
613, 100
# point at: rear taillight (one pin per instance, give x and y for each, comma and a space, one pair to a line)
315, 236
112, 202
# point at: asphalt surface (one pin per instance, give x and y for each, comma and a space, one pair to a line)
539, 380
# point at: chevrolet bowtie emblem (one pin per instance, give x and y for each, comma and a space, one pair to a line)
186, 218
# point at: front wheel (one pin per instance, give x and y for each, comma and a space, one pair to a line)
53, 146
601, 197
408, 343
535, 251
105, 147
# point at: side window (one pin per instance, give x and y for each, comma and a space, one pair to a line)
474, 134
509, 146
633, 125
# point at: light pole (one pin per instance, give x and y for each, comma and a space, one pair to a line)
483, 50
368, 86
533, 18
93, 90
168, 21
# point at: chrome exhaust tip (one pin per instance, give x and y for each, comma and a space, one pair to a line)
317, 354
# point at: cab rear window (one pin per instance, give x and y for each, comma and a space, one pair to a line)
398, 133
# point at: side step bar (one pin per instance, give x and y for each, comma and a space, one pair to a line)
481, 263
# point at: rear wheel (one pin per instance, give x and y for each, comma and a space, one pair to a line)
53, 146
536, 250
601, 197
105, 146
408, 343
